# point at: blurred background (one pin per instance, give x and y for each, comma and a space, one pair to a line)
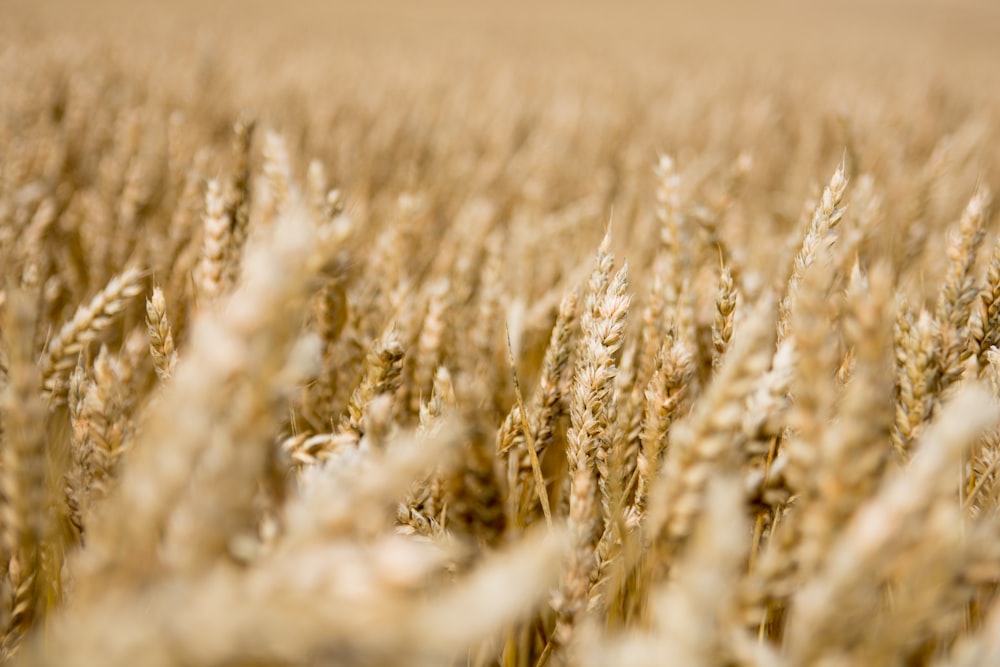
955, 37
545, 107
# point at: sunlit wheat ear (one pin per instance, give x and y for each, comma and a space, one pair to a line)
610, 336
381, 376
916, 373
89, 321
211, 272
240, 195
722, 326
822, 232
277, 195
653, 330
958, 293
428, 349
549, 398
24, 476
701, 442
984, 323
103, 413
161, 338
668, 213
664, 396
589, 437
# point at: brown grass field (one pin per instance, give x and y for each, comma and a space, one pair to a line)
521, 334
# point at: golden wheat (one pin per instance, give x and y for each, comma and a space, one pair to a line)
381, 404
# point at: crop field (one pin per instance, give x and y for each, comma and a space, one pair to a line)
520, 334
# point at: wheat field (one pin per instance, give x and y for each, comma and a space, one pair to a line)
441, 333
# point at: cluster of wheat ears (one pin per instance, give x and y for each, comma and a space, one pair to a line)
494, 369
